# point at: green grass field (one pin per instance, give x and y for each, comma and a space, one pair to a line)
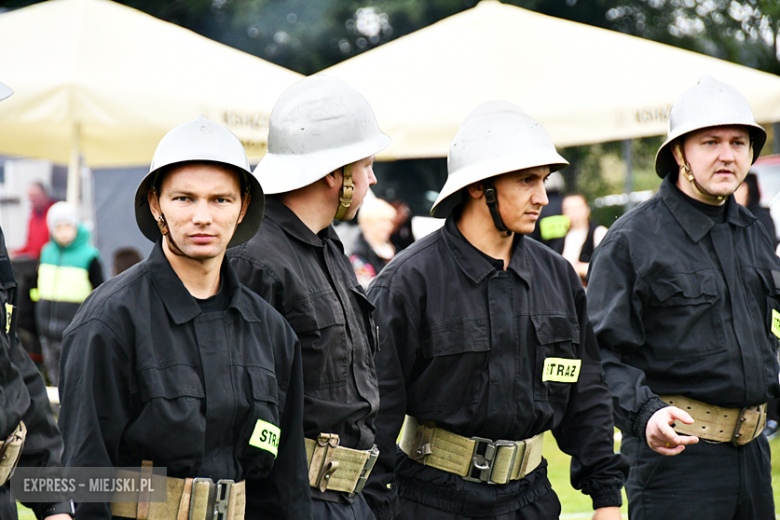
575, 505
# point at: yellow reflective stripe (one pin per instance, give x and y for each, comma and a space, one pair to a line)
776, 323
561, 370
266, 437
63, 284
555, 226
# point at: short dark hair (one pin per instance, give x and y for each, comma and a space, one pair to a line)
125, 258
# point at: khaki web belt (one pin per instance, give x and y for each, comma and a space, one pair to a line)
716, 424
188, 499
336, 468
476, 459
10, 451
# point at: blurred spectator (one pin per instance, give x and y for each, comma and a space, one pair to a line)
37, 231
69, 270
373, 250
583, 235
402, 236
749, 195
124, 259
552, 226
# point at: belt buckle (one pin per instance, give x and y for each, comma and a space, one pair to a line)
210, 510
222, 498
483, 463
515, 448
761, 410
373, 454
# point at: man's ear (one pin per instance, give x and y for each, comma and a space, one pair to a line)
334, 178
677, 152
244, 207
154, 203
475, 190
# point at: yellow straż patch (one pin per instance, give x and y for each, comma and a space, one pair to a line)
561, 370
266, 437
776, 323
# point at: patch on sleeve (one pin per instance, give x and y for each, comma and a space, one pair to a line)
776, 323
555, 226
561, 370
266, 437
9, 315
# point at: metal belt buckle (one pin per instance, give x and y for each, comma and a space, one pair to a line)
740, 421
515, 448
481, 462
218, 498
222, 498
373, 454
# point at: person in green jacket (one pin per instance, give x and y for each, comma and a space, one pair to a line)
69, 270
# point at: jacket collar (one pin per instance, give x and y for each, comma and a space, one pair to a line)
293, 226
695, 223
178, 301
473, 264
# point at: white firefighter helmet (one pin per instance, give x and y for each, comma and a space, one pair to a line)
317, 126
5, 92
201, 140
497, 137
708, 103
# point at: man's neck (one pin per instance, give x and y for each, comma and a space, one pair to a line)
483, 234
200, 277
312, 204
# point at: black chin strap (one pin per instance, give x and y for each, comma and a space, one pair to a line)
491, 198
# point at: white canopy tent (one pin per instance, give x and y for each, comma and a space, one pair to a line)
584, 84
104, 81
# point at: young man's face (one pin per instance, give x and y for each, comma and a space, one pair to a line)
362, 177
201, 203
720, 157
521, 197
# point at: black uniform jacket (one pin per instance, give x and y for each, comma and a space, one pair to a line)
22, 391
682, 305
147, 376
464, 343
307, 278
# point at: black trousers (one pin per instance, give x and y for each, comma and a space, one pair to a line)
546, 507
357, 510
712, 481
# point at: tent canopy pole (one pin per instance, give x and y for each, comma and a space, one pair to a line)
74, 166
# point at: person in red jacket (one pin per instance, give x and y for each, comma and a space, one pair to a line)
37, 230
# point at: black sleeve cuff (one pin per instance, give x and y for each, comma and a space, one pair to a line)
640, 424
611, 498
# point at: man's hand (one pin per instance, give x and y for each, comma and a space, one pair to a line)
607, 513
660, 435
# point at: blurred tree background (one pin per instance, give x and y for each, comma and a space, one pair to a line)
310, 35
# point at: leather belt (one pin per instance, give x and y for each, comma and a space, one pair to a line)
10, 451
188, 499
336, 468
716, 424
475, 459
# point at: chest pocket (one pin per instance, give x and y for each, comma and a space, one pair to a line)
683, 320
261, 435
459, 349
320, 325
557, 338
171, 425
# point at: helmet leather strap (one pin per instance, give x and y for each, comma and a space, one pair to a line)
491, 198
345, 194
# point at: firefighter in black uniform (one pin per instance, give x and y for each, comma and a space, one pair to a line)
174, 363
485, 345
28, 432
321, 144
684, 296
